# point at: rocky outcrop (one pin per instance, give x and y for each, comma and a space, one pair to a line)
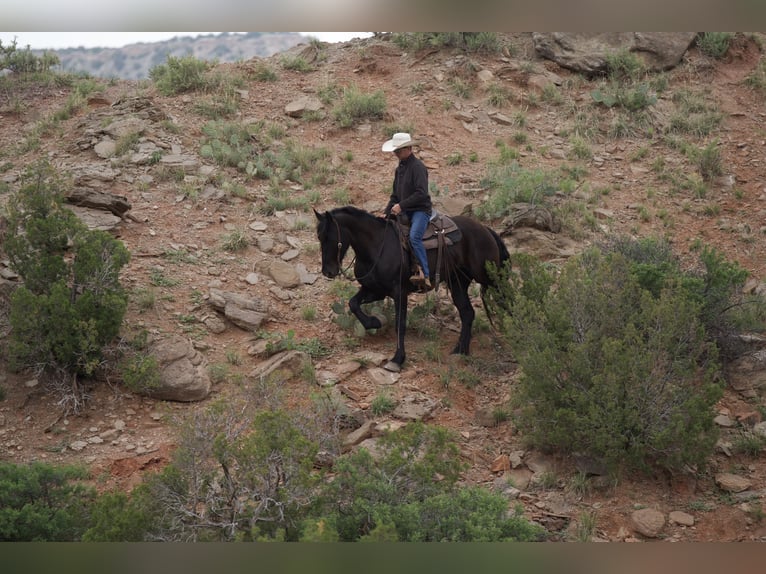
587, 52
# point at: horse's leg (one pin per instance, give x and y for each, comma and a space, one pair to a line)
459, 292
400, 306
363, 296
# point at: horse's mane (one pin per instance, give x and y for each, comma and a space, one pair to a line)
352, 211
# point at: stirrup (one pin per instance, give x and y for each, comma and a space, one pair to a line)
422, 282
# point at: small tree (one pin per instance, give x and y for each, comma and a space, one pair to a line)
616, 362
408, 492
40, 502
71, 304
233, 480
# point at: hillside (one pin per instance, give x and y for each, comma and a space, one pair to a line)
134, 61
187, 208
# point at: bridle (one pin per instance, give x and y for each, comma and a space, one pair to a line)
343, 272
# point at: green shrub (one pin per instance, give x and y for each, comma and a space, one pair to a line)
396, 493
72, 303
631, 98
120, 517
469, 41
256, 479
140, 372
708, 160
231, 144
510, 183
314, 347
617, 362
179, 75
757, 78
694, 114
24, 61
264, 73
235, 240
296, 63
624, 66
357, 106
498, 95
43, 503
714, 44
382, 404
482, 42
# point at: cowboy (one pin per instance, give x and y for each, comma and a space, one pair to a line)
410, 196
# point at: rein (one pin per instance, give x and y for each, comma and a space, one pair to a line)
343, 271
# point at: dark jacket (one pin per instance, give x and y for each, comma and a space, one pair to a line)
410, 188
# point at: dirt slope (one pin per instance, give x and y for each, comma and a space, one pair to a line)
418, 94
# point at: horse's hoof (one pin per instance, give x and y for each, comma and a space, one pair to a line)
393, 367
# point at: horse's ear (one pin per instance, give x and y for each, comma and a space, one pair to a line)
320, 217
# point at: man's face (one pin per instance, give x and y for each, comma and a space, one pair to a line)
403, 152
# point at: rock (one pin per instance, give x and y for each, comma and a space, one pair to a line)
519, 477
105, 148
187, 163
382, 377
183, 370
93, 176
307, 278
681, 518
502, 463
246, 319
414, 408
95, 218
648, 522
760, 429
516, 458
244, 311
214, 325
105, 201
291, 362
485, 416
297, 108
362, 433
748, 371
485, 76
284, 274
539, 463
502, 119
387, 426
732, 482
723, 421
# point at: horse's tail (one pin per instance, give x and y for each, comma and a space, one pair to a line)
504, 256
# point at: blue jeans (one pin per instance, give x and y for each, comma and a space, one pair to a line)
418, 223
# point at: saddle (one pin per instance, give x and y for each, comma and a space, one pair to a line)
440, 227
441, 231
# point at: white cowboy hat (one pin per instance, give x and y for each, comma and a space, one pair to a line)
399, 141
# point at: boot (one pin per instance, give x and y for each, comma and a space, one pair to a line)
420, 281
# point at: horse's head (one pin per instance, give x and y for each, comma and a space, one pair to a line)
331, 242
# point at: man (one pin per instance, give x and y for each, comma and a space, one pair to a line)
410, 196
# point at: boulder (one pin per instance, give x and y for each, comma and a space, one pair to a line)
183, 371
587, 52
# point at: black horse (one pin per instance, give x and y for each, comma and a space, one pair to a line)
382, 266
